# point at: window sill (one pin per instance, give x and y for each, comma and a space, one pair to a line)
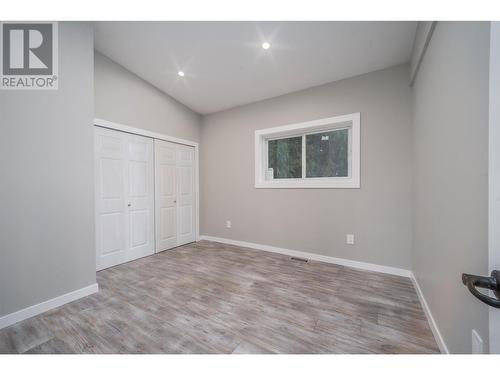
315, 184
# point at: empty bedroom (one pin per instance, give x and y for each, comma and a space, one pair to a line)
249, 187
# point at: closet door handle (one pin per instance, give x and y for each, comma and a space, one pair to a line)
129, 205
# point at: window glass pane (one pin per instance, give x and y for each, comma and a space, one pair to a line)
285, 157
327, 154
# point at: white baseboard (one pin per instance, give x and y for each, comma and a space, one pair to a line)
312, 256
44, 306
435, 330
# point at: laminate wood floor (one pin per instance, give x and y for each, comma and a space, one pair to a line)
208, 297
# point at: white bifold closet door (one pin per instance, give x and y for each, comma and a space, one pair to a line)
175, 195
124, 197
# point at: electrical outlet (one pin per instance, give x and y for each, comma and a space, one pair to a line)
349, 239
228, 224
477, 343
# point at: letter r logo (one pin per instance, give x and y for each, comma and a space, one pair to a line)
27, 49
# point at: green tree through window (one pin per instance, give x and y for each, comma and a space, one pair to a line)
285, 157
327, 154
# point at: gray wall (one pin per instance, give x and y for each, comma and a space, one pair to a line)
121, 96
450, 105
47, 240
317, 220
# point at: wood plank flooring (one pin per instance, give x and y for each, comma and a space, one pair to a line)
208, 297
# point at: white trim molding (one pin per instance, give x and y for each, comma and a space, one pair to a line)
317, 257
351, 122
494, 177
432, 323
164, 137
146, 133
44, 306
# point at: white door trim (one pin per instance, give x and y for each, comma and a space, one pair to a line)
494, 177
164, 137
146, 133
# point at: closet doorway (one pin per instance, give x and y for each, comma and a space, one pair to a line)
146, 193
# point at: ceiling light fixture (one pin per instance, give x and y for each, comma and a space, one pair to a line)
266, 45
180, 73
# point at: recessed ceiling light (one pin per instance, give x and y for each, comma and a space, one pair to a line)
180, 73
266, 45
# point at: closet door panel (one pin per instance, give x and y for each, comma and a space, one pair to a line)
186, 195
165, 195
110, 161
140, 195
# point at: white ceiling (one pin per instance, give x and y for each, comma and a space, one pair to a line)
225, 65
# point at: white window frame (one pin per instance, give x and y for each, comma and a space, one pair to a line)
352, 181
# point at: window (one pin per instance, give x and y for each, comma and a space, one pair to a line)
285, 157
327, 154
316, 154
